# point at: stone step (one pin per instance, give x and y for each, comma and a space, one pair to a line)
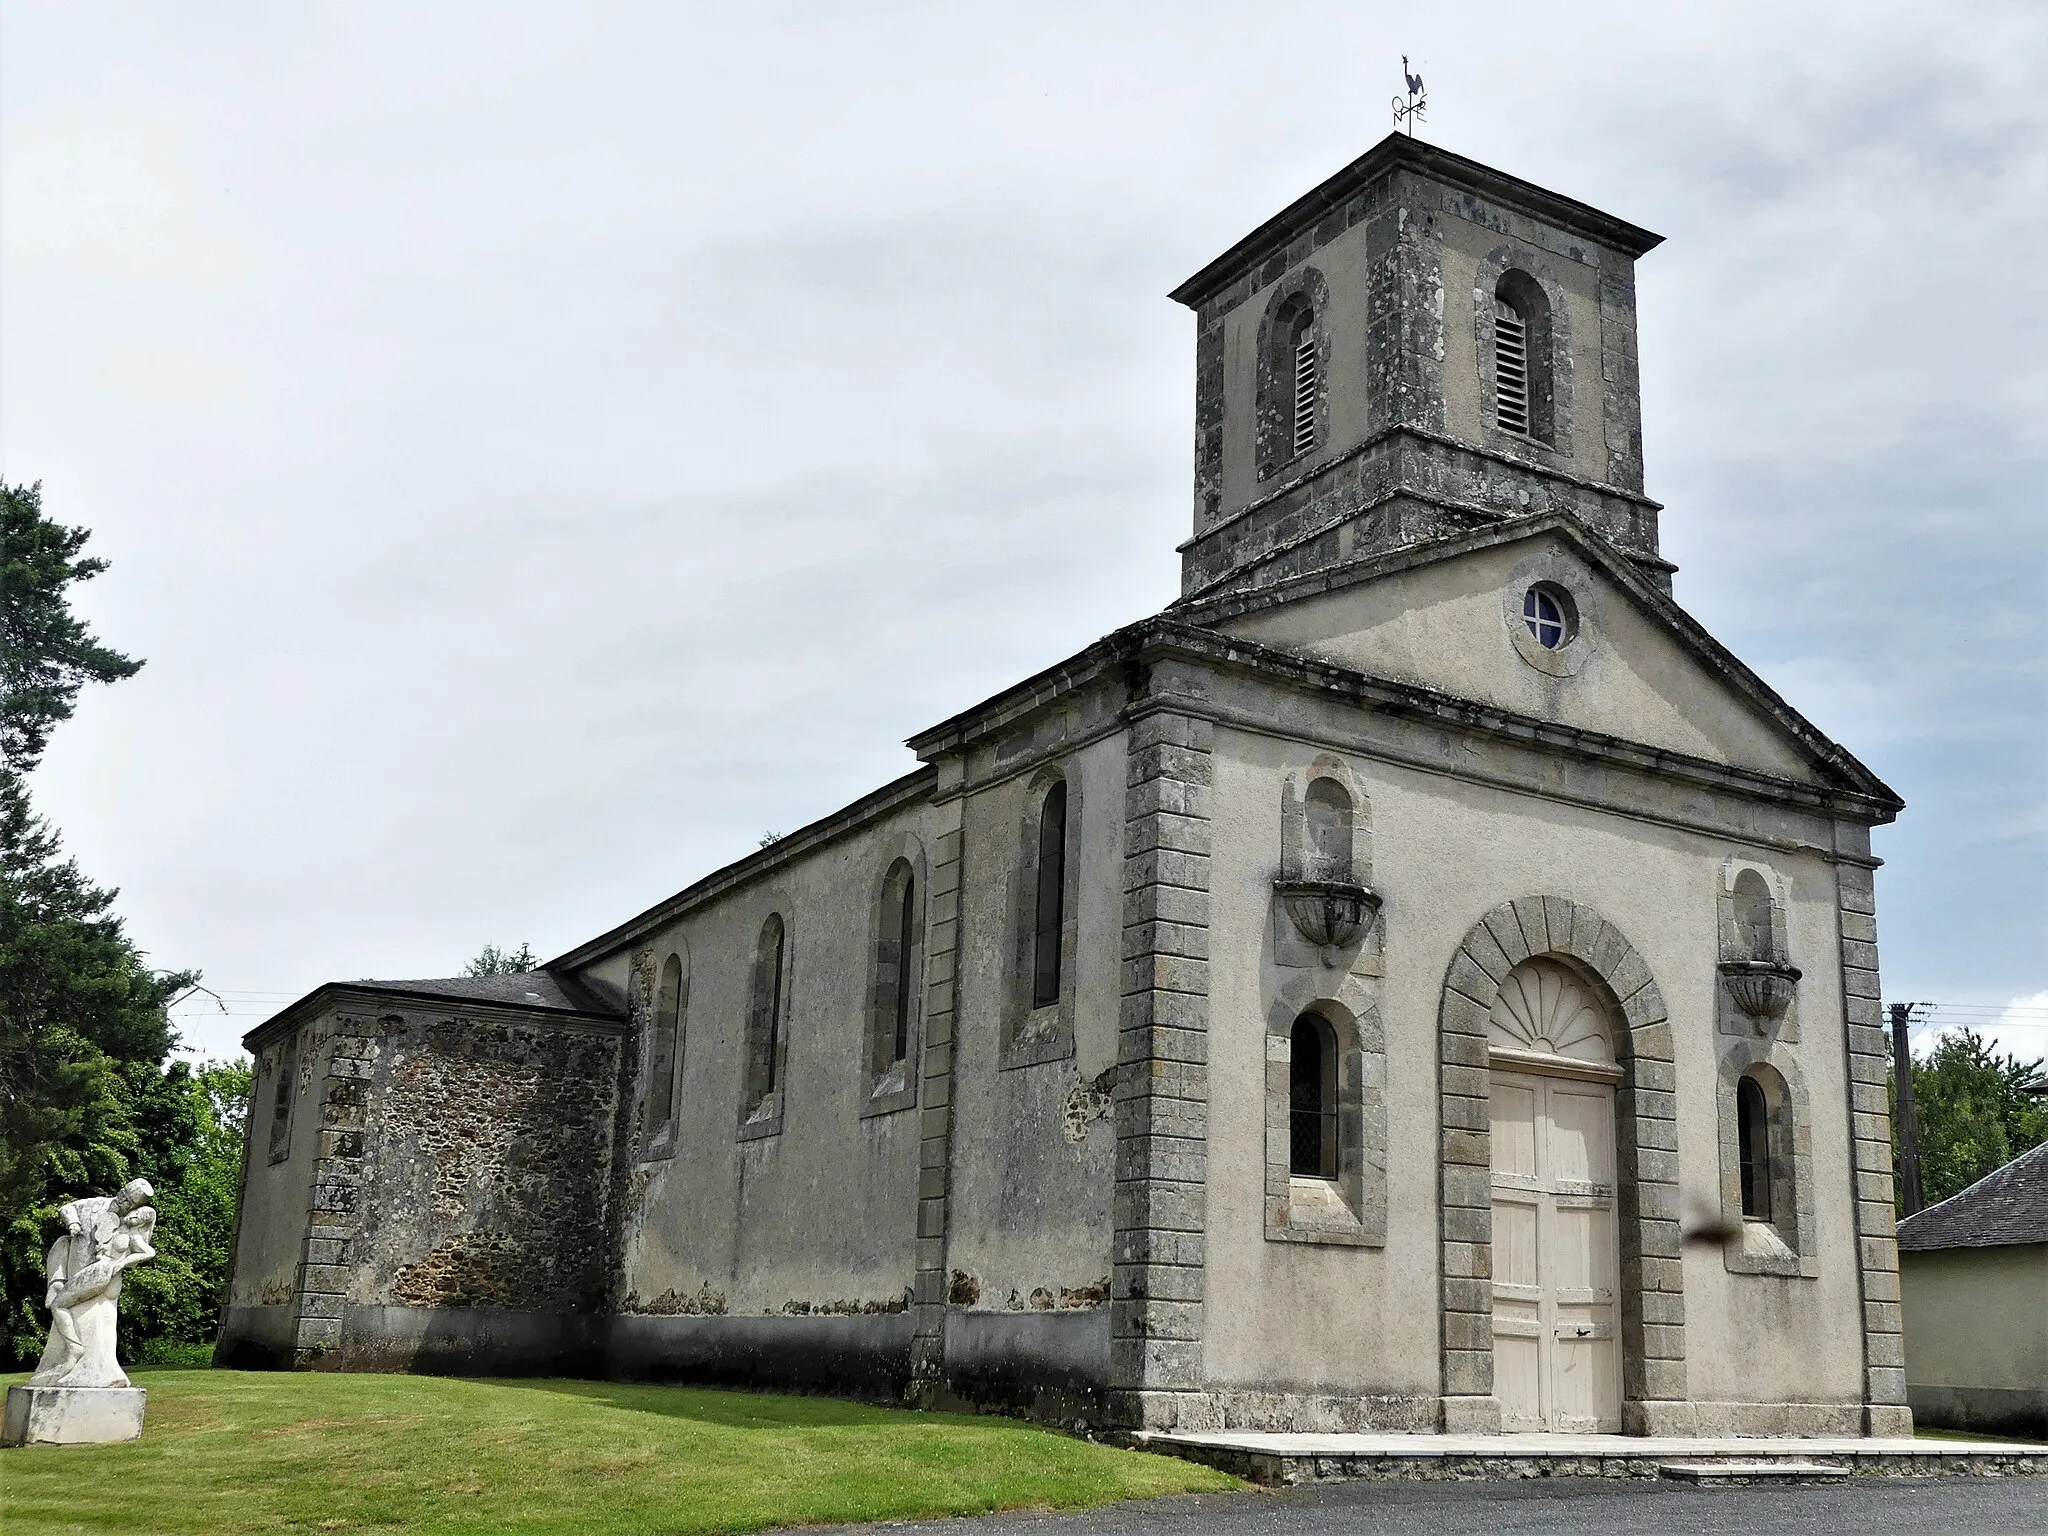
1275, 1457
1780, 1469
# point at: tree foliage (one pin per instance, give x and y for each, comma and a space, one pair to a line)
494, 961
1974, 1112
46, 653
86, 1099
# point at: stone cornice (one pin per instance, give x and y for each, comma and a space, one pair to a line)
1398, 152
1140, 646
1426, 435
1419, 702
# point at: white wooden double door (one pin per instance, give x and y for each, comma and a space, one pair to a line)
1556, 1354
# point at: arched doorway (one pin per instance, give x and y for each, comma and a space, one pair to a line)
1556, 1250
1650, 1316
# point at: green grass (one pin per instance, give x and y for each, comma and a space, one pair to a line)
242, 1451
1964, 1434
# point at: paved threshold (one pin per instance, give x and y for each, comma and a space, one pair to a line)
1277, 1458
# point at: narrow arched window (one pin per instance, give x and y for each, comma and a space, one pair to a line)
906, 979
281, 1101
1312, 1099
893, 1006
1049, 912
1753, 916
1301, 353
662, 1050
1326, 831
1522, 389
764, 1015
1753, 1134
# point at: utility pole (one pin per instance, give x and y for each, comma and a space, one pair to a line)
1909, 1119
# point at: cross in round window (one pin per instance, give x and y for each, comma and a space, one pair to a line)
1547, 610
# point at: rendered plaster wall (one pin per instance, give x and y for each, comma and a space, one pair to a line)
271, 1219
478, 1211
782, 1257
1977, 1337
1034, 1144
1288, 1317
1447, 625
1299, 1319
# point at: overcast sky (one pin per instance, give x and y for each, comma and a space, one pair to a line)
543, 448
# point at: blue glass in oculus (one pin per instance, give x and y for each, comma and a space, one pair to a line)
1544, 615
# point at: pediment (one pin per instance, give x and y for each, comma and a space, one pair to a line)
1637, 668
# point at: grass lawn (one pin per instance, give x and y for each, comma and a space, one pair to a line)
1966, 1435
238, 1451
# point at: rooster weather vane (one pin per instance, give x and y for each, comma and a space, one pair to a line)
1416, 106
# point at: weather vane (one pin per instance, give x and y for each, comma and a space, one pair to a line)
1417, 104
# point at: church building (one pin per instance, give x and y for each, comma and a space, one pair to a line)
1420, 980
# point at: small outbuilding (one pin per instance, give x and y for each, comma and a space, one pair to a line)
1974, 1280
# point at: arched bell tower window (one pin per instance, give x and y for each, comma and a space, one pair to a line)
1301, 353
1312, 1099
1523, 389
1293, 358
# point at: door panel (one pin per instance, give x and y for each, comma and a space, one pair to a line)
1580, 1124
1514, 1125
1514, 1241
1556, 1357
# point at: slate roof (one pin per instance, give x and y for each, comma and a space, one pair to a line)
521, 989
540, 991
2008, 1205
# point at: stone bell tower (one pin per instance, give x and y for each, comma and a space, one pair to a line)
1419, 347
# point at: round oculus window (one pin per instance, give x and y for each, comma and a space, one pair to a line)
1549, 613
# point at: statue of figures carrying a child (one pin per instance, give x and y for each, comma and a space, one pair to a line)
104, 1237
79, 1394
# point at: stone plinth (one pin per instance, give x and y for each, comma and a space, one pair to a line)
72, 1415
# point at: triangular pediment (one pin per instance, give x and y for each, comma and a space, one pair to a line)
1449, 617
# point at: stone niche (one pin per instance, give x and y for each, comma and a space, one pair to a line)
1758, 995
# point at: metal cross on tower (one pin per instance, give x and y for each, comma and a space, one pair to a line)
1416, 106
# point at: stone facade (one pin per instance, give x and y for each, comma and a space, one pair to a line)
1171, 1102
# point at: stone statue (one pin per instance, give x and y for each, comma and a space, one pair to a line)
104, 1237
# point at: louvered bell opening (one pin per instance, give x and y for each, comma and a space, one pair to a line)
1510, 370
1305, 393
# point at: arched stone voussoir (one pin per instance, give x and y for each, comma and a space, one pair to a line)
1652, 1336
1643, 1011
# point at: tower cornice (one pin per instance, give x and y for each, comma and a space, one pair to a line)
1400, 152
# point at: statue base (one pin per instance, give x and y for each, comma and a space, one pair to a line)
72, 1415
